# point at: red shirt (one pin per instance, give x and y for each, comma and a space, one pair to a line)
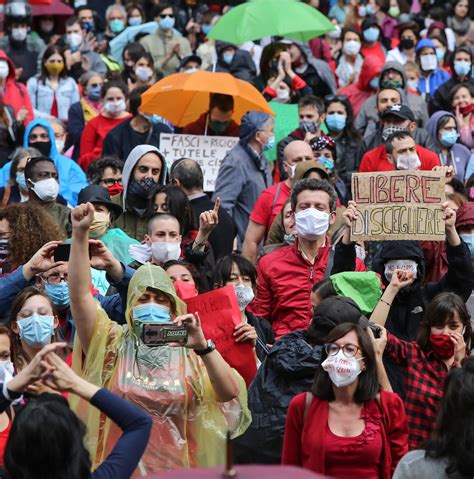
306, 444
263, 213
3, 441
93, 137
424, 375
376, 160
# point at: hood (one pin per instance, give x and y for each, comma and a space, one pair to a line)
292, 355
221, 46
45, 124
132, 159
371, 67
432, 125
154, 277
404, 249
395, 66
11, 65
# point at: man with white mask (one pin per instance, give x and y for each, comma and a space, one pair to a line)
286, 276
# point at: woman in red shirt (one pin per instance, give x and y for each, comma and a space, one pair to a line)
346, 428
6, 370
114, 96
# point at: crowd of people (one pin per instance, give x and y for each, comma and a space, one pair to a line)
362, 349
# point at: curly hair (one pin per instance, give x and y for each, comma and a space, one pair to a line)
31, 227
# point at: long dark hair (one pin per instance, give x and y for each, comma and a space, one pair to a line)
50, 51
368, 385
47, 442
350, 130
453, 436
223, 270
440, 311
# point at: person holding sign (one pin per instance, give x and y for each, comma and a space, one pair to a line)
192, 394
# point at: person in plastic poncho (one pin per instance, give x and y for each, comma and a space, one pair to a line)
193, 400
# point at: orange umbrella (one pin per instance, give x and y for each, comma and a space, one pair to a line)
183, 97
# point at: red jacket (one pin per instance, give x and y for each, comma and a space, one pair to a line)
358, 92
284, 285
304, 445
15, 93
198, 127
376, 160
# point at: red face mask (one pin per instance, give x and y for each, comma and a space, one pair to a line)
442, 345
185, 290
115, 189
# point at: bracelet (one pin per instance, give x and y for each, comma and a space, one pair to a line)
386, 302
198, 245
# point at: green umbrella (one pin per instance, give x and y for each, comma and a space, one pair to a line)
266, 18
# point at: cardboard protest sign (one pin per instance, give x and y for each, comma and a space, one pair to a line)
399, 205
208, 151
219, 313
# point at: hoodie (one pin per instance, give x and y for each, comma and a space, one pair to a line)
15, 93
359, 92
241, 66
458, 155
71, 178
129, 221
368, 118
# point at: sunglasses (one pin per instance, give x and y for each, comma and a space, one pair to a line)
329, 98
167, 15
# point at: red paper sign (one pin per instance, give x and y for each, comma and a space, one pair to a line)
219, 313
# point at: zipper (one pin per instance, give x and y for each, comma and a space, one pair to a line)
311, 272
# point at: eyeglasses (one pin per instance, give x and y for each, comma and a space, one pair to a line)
55, 278
330, 98
111, 181
26, 313
349, 350
169, 15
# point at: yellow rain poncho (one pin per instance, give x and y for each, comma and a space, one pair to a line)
170, 383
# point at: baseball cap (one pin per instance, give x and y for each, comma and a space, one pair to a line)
336, 310
400, 111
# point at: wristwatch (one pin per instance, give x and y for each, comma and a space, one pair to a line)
210, 347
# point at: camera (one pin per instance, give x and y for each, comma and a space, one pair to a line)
153, 334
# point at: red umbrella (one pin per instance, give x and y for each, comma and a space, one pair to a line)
55, 7
241, 472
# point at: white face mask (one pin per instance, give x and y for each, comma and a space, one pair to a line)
46, 190
59, 144
351, 47
403, 264
4, 69
244, 295
74, 39
283, 95
342, 371
164, 251
19, 34
428, 62
360, 252
408, 162
6, 370
114, 106
311, 223
143, 73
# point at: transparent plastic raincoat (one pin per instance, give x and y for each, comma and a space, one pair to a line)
171, 383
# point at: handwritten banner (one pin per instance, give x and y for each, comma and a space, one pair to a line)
219, 313
208, 151
399, 205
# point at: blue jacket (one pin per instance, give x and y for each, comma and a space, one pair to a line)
71, 177
434, 80
11, 284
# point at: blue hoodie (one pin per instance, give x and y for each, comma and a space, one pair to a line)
71, 177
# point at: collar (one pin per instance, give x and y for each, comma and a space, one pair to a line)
196, 195
304, 255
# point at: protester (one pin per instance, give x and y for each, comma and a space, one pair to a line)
349, 63
449, 446
346, 426
185, 277
106, 172
114, 96
235, 61
140, 129
68, 432
165, 46
144, 168
116, 18
431, 75
444, 128
462, 103
188, 175
244, 173
239, 272
270, 202
372, 34
151, 295
405, 51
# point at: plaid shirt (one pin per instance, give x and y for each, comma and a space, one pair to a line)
424, 375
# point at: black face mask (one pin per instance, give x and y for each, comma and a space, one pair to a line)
44, 147
406, 44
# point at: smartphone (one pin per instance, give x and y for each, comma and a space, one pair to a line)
160, 334
62, 252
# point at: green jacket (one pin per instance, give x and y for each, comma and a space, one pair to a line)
133, 225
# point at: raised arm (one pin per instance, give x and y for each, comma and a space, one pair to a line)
83, 304
379, 347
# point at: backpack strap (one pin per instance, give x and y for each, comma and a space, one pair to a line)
277, 193
6, 196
